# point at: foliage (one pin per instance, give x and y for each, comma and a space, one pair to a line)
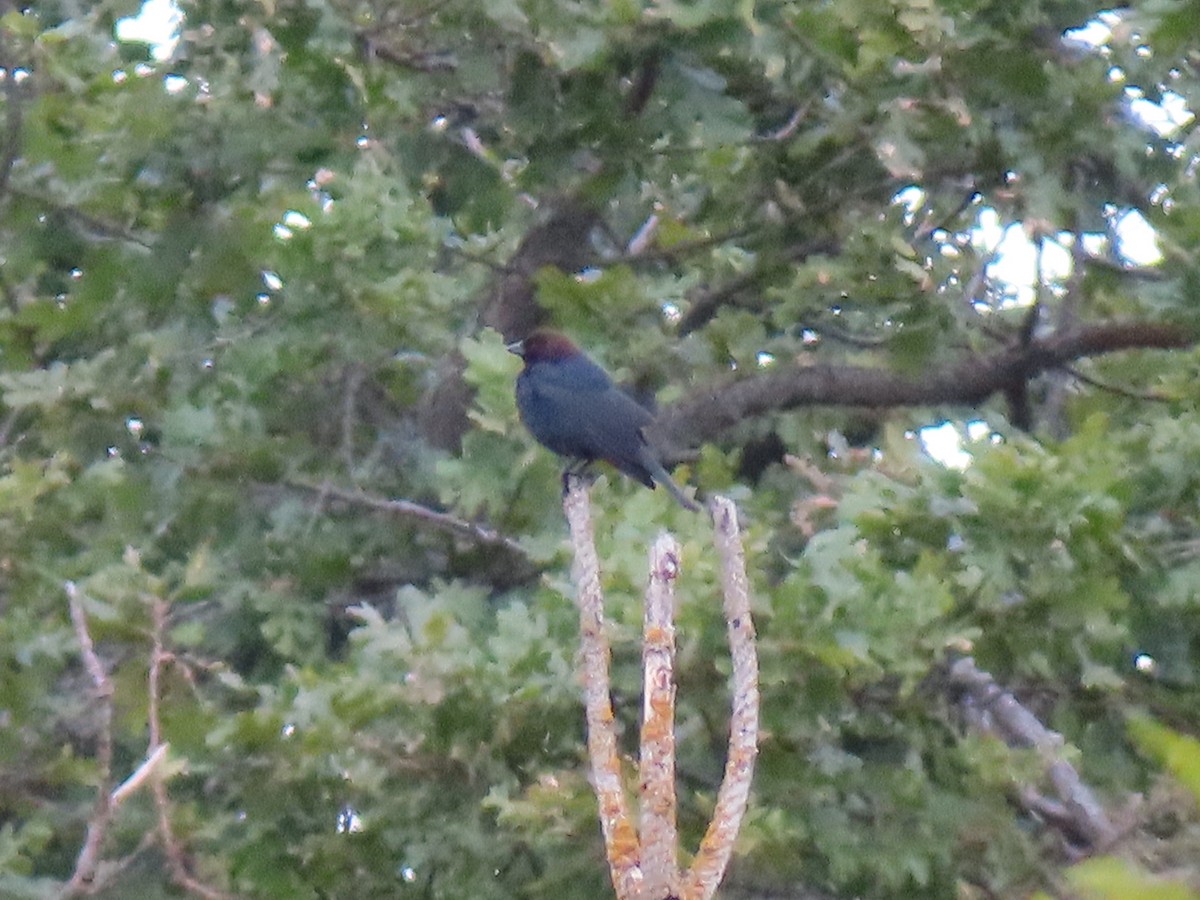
240, 273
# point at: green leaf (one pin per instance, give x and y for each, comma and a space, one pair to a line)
1111, 878
1179, 753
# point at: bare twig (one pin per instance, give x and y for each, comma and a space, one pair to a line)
715, 849
620, 838
788, 128
148, 768
85, 878
1139, 273
862, 342
707, 303
1118, 390
377, 44
943, 224
90, 226
644, 236
658, 832
89, 856
480, 534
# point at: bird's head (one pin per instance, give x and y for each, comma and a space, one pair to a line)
544, 345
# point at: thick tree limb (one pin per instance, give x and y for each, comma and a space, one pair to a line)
561, 241
707, 413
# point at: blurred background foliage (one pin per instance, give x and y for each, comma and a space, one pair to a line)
238, 267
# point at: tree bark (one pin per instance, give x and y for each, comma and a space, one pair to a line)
707, 413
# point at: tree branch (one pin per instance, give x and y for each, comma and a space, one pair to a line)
707, 413
91, 227
643, 866
993, 710
479, 534
657, 826
620, 837
177, 858
88, 861
708, 868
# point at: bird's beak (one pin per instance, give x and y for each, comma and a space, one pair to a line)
517, 347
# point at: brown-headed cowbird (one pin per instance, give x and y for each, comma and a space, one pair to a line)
573, 408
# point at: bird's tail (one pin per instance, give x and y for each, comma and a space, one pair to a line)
659, 474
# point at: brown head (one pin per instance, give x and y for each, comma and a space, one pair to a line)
544, 345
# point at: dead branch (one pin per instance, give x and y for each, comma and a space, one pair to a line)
644, 867
659, 837
86, 878
708, 868
149, 768
620, 839
408, 509
89, 856
789, 128
643, 238
992, 710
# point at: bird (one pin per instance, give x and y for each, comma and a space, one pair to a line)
571, 407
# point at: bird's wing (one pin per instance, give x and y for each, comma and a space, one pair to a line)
578, 374
613, 425
596, 406
616, 402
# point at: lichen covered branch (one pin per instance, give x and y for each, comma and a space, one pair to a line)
717, 846
659, 836
620, 838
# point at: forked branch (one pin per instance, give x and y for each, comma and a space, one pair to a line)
644, 864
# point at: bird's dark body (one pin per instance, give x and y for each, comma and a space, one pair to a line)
571, 406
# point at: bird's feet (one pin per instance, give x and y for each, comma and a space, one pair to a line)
577, 470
